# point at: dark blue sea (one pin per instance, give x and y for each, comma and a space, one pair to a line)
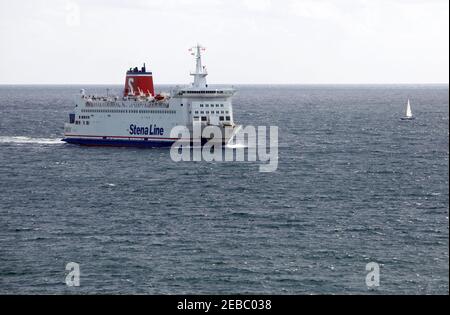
354, 185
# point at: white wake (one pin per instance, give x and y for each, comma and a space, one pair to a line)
28, 140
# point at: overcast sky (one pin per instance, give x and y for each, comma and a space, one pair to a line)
248, 41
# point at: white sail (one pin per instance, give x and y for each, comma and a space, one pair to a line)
408, 110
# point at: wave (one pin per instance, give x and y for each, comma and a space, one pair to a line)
28, 140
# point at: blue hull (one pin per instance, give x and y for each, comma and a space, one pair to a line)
119, 143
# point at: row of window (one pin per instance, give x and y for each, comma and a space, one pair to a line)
212, 105
85, 122
116, 104
103, 104
203, 92
205, 118
131, 111
212, 112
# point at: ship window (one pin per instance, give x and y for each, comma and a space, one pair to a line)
203, 118
221, 118
201, 105
196, 111
226, 111
202, 112
207, 105
221, 105
221, 111
228, 118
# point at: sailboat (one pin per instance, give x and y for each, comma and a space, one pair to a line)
409, 115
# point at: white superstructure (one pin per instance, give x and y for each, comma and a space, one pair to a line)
141, 118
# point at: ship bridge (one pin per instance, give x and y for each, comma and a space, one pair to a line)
203, 104
199, 88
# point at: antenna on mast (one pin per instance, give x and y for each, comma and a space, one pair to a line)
200, 71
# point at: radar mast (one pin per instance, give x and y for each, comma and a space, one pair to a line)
200, 71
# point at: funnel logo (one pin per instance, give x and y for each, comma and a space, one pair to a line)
130, 86
139, 82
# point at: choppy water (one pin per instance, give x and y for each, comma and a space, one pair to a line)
354, 185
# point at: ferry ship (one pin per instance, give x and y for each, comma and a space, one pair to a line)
141, 118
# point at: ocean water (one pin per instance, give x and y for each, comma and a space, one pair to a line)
354, 185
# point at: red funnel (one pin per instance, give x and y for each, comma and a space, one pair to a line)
138, 82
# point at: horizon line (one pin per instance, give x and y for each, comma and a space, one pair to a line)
214, 84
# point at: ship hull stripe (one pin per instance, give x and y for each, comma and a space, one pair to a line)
121, 137
119, 143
